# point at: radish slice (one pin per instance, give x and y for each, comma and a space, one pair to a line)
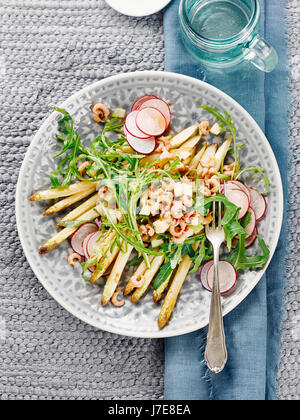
250, 228
161, 105
237, 184
80, 234
85, 243
203, 274
92, 243
227, 277
258, 203
141, 100
230, 186
249, 241
142, 146
86, 251
240, 199
131, 127
151, 122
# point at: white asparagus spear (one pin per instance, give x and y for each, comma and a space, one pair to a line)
221, 153
67, 232
105, 260
196, 160
184, 135
208, 156
148, 276
66, 202
174, 290
80, 210
157, 294
137, 275
62, 192
115, 275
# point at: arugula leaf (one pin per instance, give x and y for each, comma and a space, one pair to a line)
200, 257
246, 219
135, 261
232, 230
239, 259
203, 205
163, 275
173, 260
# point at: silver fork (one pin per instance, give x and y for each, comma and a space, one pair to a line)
216, 352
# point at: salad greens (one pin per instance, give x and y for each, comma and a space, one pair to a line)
121, 170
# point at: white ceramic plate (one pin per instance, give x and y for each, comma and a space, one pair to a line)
138, 7
63, 282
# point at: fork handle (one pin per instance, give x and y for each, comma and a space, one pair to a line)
216, 352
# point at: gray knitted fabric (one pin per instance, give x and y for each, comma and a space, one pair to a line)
48, 50
289, 373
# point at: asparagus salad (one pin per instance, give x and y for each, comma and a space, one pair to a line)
141, 195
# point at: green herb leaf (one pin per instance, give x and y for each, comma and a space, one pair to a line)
240, 261
163, 275
200, 257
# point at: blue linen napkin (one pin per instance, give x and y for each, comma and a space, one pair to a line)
253, 328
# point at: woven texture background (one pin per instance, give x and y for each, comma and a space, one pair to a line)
48, 50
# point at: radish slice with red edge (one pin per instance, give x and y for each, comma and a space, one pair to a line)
258, 204
203, 274
151, 122
230, 186
85, 249
249, 241
142, 146
131, 127
227, 277
240, 199
93, 243
141, 100
238, 184
85, 243
250, 228
80, 234
161, 105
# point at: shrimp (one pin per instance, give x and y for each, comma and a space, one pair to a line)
100, 112
187, 233
74, 257
116, 302
230, 170
147, 232
177, 210
178, 230
135, 282
205, 191
204, 128
82, 167
191, 218
202, 173
211, 163
213, 183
